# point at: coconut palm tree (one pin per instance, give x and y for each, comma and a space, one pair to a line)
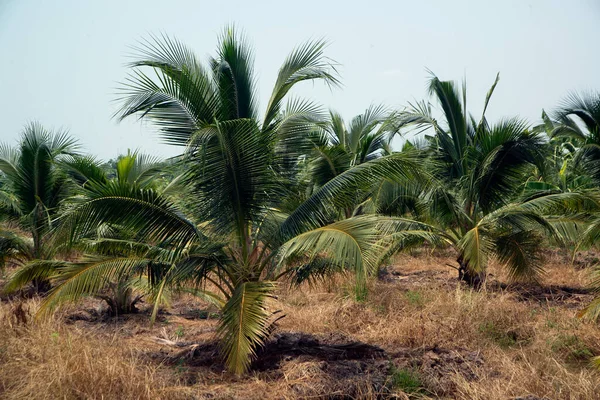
132, 171
339, 146
477, 202
221, 234
578, 118
34, 185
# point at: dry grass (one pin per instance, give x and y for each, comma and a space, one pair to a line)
441, 340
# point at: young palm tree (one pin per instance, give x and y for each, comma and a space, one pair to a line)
132, 171
34, 185
579, 118
339, 147
229, 242
480, 169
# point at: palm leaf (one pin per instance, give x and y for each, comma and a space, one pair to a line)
244, 324
88, 277
305, 63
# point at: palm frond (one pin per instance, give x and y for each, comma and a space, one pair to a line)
305, 63
179, 100
153, 216
350, 243
521, 253
342, 190
88, 277
30, 271
233, 75
244, 324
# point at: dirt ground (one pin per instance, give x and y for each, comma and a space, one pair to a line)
419, 334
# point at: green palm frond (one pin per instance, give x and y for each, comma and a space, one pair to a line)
342, 190
244, 324
507, 151
31, 271
9, 205
152, 215
521, 253
305, 63
232, 175
137, 169
234, 76
584, 106
181, 98
83, 169
350, 243
476, 247
482, 122
88, 277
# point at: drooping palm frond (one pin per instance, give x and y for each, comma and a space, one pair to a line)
244, 324
476, 247
88, 277
592, 310
521, 253
9, 205
151, 215
341, 191
586, 107
349, 243
181, 99
14, 248
30, 271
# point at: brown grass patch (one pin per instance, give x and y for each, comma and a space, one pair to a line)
437, 339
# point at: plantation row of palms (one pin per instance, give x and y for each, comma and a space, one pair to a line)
291, 195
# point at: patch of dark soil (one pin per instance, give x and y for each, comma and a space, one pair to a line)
102, 315
290, 345
419, 279
195, 313
586, 259
335, 367
437, 366
554, 295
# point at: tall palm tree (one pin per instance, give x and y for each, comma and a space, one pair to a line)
229, 242
34, 185
477, 203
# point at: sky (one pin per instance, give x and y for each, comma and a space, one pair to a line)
62, 61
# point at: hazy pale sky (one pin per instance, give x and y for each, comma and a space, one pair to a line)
62, 61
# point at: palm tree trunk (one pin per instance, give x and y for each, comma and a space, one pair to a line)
473, 279
40, 285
